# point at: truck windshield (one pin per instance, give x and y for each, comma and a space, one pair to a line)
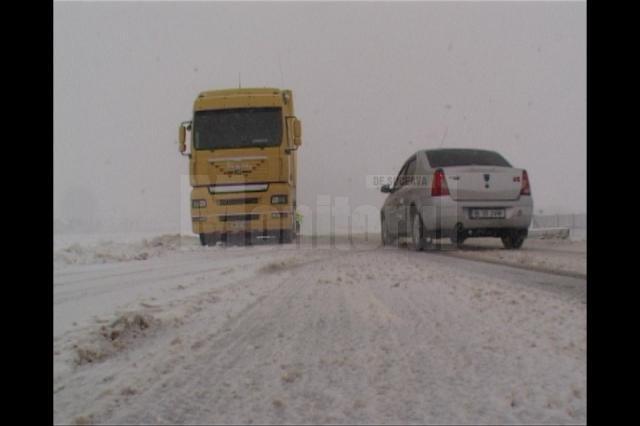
465, 157
237, 128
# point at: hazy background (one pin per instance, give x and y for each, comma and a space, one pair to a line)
372, 83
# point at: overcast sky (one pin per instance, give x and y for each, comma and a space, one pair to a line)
372, 84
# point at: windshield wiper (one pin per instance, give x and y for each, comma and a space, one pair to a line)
260, 143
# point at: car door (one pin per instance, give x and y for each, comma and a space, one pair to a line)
403, 196
391, 204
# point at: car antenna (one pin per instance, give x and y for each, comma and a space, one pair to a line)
239, 80
446, 129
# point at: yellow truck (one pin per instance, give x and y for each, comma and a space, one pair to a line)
243, 164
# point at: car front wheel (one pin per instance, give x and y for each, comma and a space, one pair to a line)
387, 239
418, 240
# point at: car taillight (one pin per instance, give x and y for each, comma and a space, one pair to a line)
526, 188
439, 186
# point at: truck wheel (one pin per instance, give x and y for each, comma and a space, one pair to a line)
211, 239
285, 237
513, 240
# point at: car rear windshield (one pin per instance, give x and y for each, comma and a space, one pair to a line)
465, 157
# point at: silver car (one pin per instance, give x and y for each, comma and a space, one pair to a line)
457, 194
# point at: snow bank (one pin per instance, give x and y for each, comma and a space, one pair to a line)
117, 251
553, 255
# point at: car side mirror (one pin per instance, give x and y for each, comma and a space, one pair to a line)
385, 188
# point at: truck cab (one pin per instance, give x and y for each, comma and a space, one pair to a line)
243, 164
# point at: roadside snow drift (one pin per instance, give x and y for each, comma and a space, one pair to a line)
111, 251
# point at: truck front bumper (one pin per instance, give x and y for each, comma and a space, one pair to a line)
242, 212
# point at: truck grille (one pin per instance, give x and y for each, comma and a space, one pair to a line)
237, 201
239, 217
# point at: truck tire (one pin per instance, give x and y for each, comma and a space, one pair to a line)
286, 237
212, 239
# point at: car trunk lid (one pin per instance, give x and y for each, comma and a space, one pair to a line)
483, 182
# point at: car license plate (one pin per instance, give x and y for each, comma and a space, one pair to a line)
487, 213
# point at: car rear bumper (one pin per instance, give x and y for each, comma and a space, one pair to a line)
446, 214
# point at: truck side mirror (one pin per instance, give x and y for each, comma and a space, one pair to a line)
182, 136
181, 139
297, 132
385, 188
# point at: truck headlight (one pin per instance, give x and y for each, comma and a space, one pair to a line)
279, 199
196, 204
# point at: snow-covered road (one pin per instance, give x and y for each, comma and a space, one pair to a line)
314, 334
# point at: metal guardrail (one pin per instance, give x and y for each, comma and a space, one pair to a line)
550, 233
572, 221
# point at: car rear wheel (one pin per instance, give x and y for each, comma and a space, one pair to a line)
458, 237
513, 239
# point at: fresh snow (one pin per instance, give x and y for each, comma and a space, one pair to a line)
314, 334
